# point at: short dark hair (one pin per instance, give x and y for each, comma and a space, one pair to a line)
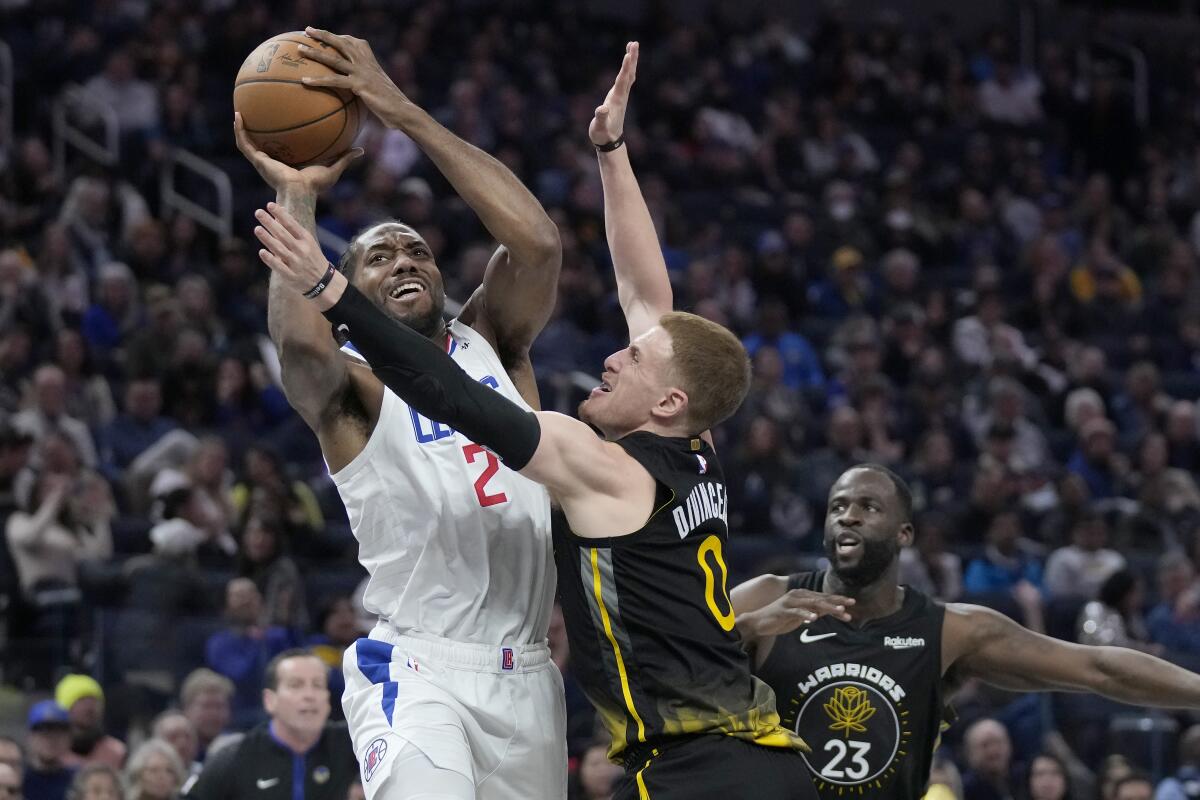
903, 493
271, 676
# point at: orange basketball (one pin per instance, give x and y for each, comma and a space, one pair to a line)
289, 121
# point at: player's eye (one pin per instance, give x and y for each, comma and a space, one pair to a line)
420, 251
378, 257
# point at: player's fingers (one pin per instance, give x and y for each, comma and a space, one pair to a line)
239, 136
284, 218
327, 81
326, 37
344, 160
273, 261
272, 234
330, 58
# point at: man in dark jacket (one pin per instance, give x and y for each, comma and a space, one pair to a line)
298, 744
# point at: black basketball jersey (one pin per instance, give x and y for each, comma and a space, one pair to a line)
648, 615
868, 701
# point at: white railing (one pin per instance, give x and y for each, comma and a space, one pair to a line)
219, 221
69, 107
7, 80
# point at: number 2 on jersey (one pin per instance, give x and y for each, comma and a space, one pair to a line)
858, 767
489, 471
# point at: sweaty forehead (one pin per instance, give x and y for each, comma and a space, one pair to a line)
655, 341
388, 233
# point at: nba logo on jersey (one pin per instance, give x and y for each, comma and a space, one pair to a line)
506, 658
374, 757
703, 463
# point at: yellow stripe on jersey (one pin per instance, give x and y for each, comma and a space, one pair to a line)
643, 792
612, 640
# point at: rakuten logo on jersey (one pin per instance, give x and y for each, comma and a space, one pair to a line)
902, 642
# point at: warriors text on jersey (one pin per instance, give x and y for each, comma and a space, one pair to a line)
867, 700
456, 544
648, 615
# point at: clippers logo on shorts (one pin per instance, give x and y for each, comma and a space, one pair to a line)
852, 717
376, 751
506, 658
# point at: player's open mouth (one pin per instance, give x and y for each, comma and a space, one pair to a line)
406, 290
603, 388
847, 543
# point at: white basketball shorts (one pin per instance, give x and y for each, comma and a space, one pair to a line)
495, 714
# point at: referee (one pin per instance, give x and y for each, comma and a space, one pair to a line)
298, 755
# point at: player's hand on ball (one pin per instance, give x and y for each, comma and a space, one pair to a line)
800, 607
278, 175
360, 71
292, 253
609, 122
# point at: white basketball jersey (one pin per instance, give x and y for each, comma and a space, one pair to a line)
456, 544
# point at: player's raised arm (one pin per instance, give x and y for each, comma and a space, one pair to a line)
643, 286
984, 644
314, 374
518, 291
765, 608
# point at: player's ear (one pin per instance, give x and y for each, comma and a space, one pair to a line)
672, 405
269, 702
906, 534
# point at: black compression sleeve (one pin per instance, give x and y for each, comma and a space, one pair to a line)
426, 378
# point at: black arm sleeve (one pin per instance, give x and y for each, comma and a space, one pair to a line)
426, 378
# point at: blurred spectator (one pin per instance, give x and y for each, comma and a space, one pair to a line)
11, 753
139, 426
1007, 404
844, 448
205, 698
938, 480
1167, 494
1115, 616
174, 728
1179, 786
65, 524
801, 367
241, 651
262, 560
155, 772
1079, 569
267, 489
762, 493
1103, 468
991, 773
1048, 779
1141, 407
847, 290
49, 413
88, 394
46, 773
10, 782
927, 565
83, 699
135, 101
1183, 436
248, 403
1134, 787
1011, 96
115, 312
596, 774
97, 782
1008, 560
1174, 622
337, 630
297, 743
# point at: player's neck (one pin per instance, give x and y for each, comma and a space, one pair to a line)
878, 599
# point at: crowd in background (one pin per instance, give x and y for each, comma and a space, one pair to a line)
977, 270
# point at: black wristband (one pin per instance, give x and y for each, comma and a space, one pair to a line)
322, 284
608, 147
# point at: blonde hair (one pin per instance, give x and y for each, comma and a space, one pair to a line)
137, 763
204, 680
711, 366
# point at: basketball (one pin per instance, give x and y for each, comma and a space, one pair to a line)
287, 120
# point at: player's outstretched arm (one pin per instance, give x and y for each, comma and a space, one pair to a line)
553, 449
314, 373
643, 287
764, 608
518, 291
985, 644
